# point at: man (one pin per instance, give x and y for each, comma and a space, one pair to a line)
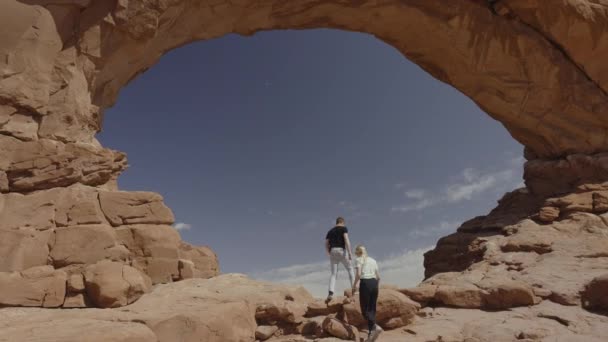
337, 246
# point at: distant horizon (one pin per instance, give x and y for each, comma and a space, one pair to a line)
258, 143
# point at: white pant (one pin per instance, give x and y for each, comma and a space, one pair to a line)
336, 256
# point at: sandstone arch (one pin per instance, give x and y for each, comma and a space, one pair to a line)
546, 83
536, 68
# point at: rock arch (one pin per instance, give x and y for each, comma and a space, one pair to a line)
536, 68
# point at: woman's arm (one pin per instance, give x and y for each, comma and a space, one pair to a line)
327, 247
357, 278
377, 275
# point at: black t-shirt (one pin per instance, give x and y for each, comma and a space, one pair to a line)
336, 237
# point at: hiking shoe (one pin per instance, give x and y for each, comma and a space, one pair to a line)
375, 333
329, 298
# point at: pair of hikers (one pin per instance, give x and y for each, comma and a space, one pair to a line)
366, 277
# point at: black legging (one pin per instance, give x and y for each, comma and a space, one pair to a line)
368, 295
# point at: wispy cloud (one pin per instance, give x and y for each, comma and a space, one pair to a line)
469, 183
182, 226
418, 199
404, 270
415, 193
439, 229
476, 183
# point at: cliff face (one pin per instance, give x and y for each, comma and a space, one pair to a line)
67, 233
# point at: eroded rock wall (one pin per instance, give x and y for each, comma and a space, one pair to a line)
68, 231
548, 240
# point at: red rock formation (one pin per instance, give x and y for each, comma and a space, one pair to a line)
535, 66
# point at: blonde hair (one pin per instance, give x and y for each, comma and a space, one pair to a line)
361, 251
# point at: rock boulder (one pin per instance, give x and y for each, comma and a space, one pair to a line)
37, 286
111, 284
393, 310
595, 295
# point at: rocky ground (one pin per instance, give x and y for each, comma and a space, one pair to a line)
229, 307
233, 307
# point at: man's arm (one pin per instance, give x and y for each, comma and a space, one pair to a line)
347, 243
327, 246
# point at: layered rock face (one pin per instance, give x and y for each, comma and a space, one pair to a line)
536, 257
69, 237
71, 246
542, 250
551, 260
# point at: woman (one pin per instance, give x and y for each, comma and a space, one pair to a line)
368, 276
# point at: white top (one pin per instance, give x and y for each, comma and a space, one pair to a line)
368, 267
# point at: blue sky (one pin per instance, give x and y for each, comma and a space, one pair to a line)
258, 143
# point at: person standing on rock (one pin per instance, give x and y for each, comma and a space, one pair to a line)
337, 246
368, 279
